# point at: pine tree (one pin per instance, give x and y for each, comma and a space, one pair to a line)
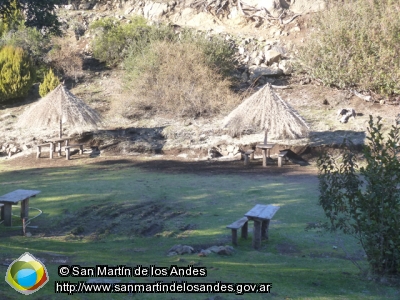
49, 83
17, 73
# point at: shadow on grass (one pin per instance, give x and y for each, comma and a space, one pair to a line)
192, 204
234, 167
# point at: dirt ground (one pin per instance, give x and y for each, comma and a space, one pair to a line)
167, 164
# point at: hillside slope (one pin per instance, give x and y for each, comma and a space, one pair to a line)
102, 88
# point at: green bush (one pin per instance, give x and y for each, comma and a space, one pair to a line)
49, 83
31, 40
175, 79
115, 41
356, 44
365, 202
17, 73
219, 55
114, 38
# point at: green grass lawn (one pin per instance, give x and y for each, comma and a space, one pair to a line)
120, 214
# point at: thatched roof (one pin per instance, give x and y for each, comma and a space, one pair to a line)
60, 105
265, 110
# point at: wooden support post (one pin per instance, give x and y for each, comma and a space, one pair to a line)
246, 159
59, 149
51, 149
244, 231
264, 154
257, 235
39, 148
266, 137
264, 229
234, 237
25, 208
67, 152
280, 161
23, 226
7, 214
1, 211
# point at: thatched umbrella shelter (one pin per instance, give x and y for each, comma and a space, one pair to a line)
265, 110
59, 107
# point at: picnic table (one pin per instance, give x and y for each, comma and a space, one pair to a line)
59, 141
51, 142
12, 199
266, 148
261, 215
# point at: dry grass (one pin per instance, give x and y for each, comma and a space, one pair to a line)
65, 57
173, 79
356, 44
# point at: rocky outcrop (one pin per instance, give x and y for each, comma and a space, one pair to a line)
258, 58
261, 59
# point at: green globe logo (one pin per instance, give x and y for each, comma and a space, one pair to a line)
26, 274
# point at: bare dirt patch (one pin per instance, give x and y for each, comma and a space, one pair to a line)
98, 220
162, 163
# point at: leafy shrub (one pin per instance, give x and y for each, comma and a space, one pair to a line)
31, 40
219, 54
49, 83
356, 44
17, 73
116, 41
175, 79
367, 206
114, 38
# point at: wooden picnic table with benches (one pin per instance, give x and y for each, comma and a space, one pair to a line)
59, 141
10, 199
261, 215
50, 143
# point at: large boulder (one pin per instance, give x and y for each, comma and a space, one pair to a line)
272, 56
256, 72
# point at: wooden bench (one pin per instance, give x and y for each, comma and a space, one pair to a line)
282, 155
248, 155
68, 150
39, 148
241, 223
